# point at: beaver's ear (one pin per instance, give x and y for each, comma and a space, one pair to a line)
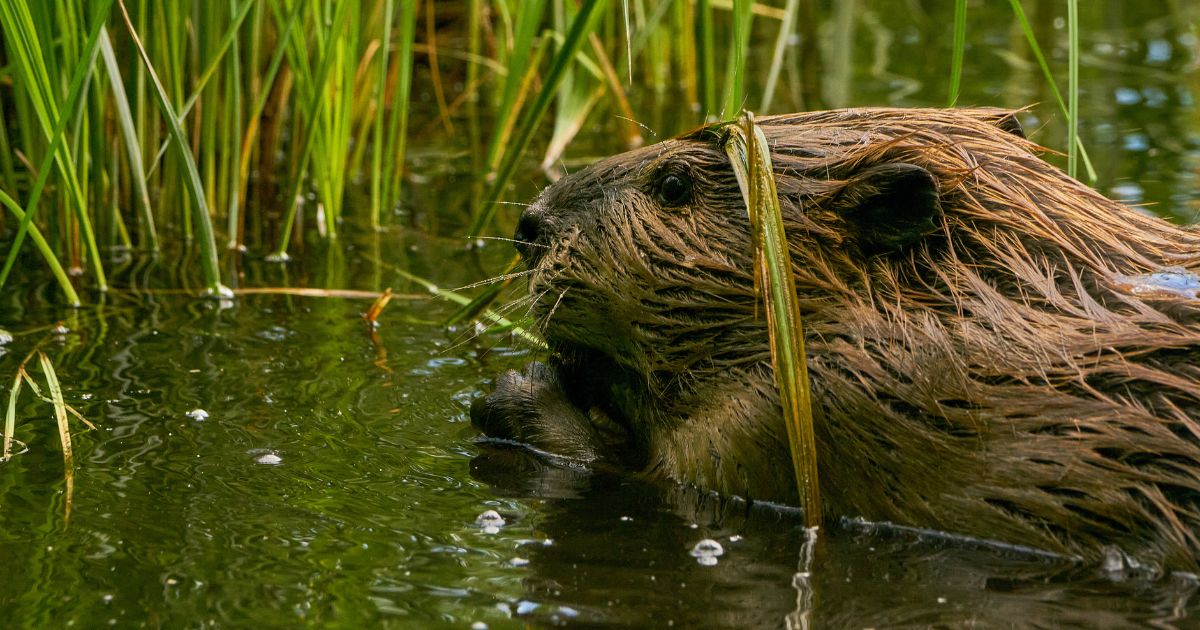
1008, 122
889, 207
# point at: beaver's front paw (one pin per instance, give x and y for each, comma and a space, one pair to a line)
531, 407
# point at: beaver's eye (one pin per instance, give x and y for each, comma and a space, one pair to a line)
674, 189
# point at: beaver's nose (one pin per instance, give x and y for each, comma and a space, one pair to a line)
530, 227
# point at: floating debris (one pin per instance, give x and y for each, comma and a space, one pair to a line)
707, 551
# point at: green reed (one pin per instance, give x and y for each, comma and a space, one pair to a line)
50, 391
959, 50
147, 125
1075, 145
750, 157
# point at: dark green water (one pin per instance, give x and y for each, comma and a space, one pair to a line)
335, 480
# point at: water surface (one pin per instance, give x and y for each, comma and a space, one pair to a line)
333, 478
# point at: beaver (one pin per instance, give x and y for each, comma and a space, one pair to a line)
994, 349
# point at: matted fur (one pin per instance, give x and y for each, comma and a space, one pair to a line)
996, 378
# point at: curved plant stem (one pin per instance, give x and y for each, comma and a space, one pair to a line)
750, 156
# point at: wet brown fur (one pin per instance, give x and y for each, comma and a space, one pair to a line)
996, 378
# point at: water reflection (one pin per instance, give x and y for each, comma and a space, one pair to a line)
621, 555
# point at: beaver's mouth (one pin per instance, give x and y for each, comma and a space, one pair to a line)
597, 384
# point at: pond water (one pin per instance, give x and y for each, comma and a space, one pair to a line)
274, 461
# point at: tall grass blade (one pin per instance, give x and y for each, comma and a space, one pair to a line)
786, 26
960, 46
201, 217
64, 431
377, 125
18, 25
1058, 97
7, 172
706, 46
10, 416
44, 248
735, 71
578, 92
397, 130
1073, 88
133, 150
260, 103
60, 409
580, 27
316, 93
206, 75
633, 135
749, 154
529, 18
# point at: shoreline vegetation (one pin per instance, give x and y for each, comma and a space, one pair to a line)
130, 127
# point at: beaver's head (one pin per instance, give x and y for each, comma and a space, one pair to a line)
645, 257
978, 361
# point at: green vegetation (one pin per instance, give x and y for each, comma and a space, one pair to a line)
138, 126
133, 125
750, 156
54, 397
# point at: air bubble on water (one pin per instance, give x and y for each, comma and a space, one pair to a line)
490, 521
479, 625
519, 562
567, 611
270, 459
197, 414
526, 607
707, 551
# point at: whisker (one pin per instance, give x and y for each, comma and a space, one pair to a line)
508, 240
513, 203
649, 130
476, 331
554, 308
495, 279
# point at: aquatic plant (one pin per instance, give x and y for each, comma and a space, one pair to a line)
145, 126
750, 156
